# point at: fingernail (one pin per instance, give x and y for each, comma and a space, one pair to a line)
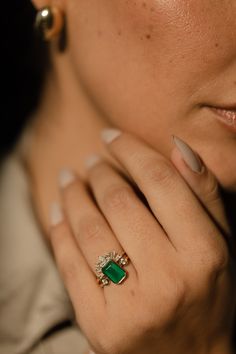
108, 135
92, 160
189, 156
66, 177
91, 352
56, 214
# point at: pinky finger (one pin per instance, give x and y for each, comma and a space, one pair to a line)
86, 295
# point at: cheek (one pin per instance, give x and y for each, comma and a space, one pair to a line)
142, 61
111, 45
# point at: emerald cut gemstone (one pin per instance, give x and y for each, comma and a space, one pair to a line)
114, 272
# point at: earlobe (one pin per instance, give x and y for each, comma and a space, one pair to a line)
39, 4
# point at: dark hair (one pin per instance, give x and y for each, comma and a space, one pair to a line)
24, 62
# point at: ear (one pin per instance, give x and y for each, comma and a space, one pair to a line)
38, 4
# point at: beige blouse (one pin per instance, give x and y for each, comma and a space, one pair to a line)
32, 296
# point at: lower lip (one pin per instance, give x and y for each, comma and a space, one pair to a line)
227, 117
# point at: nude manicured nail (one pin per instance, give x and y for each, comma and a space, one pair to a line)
92, 160
189, 156
56, 214
108, 135
66, 177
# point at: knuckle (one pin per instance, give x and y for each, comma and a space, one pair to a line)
219, 260
159, 171
211, 189
215, 257
118, 197
91, 227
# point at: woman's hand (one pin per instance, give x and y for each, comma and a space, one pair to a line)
179, 296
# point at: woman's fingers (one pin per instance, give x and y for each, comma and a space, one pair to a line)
204, 184
74, 269
91, 230
135, 227
171, 199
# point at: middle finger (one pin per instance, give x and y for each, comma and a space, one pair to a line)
135, 227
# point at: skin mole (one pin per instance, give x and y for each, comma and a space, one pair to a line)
132, 292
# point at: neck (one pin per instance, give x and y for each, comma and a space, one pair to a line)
66, 129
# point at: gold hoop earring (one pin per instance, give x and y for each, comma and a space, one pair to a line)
49, 22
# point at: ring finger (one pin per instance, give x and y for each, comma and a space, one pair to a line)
137, 230
91, 230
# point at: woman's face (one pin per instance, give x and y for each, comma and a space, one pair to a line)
152, 66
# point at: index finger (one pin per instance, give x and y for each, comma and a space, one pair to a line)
170, 198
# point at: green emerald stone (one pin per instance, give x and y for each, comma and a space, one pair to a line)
114, 272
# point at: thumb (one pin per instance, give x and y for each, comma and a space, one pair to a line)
202, 182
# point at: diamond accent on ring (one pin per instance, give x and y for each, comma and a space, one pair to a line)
123, 261
105, 281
